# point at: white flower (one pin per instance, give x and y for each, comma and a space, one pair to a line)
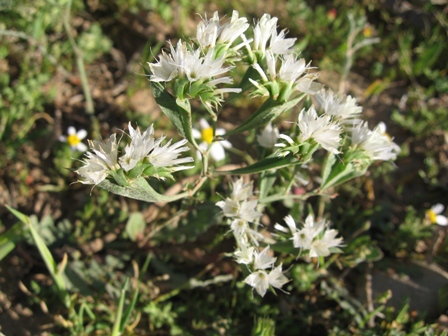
216, 148
344, 109
74, 139
244, 233
313, 236
245, 210
245, 255
106, 151
261, 280
304, 237
266, 29
279, 44
140, 146
263, 31
167, 156
94, 170
239, 206
207, 31
268, 137
377, 143
321, 247
241, 191
166, 67
101, 159
292, 68
263, 260
185, 61
291, 225
434, 215
233, 29
321, 129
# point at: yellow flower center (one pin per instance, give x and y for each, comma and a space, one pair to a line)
432, 216
73, 140
367, 31
207, 135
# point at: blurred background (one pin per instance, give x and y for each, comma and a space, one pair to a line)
78, 63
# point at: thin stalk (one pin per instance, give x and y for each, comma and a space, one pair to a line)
79, 60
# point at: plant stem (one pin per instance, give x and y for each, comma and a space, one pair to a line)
79, 60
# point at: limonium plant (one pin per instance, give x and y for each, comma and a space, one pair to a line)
231, 59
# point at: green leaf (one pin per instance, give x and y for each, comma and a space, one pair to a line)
138, 170
343, 169
46, 255
135, 226
326, 170
23, 218
268, 163
285, 246
119, 177
267, 112
178, 111
140, 190
116, 330
429, 56
9, 239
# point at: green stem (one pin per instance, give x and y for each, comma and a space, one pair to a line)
79, 60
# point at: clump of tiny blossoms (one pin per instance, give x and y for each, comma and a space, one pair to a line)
241, 209
201, 68
145, 155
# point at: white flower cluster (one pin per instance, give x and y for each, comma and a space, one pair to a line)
202, 63
242, 212
144, 152
313, 236
337, 121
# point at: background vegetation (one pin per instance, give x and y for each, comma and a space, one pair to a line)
78, 63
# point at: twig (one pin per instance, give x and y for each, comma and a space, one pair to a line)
369, 294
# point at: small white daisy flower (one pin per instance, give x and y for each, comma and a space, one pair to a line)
216, 148
74, 139
434, 215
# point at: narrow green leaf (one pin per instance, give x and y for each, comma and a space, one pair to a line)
329, 162
428, 57
267, 112
178, 111
119, 177
51, 265
344, 169
130, 308
46, 255
117, 324
285, 246
273, 162
140, 190
23, 218
10, 238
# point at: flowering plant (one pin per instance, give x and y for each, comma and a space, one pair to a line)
262, 61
